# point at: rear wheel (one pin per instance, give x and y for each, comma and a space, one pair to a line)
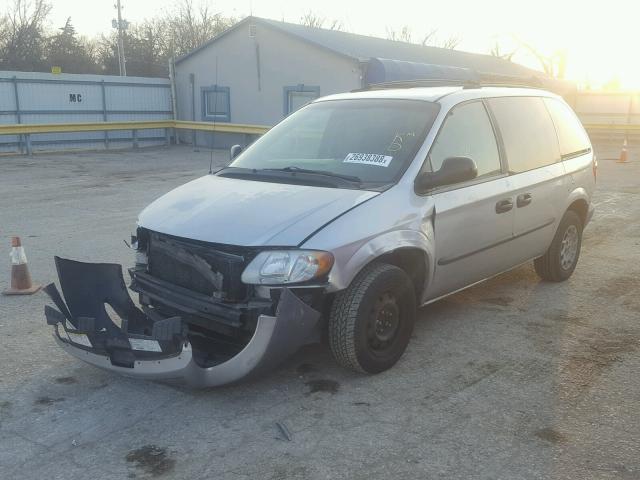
371, 321
560, 260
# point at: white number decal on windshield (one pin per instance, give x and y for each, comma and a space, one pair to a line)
368, 159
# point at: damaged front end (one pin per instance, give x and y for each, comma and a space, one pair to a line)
197, 322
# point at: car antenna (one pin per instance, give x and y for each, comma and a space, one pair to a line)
215, 110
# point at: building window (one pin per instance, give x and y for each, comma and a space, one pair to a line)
216, 104
298, 96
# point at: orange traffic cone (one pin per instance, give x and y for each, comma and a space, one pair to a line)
20, 278
623, 153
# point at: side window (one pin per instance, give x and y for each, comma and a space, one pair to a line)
298, 96
573, 139
467, 132
529, 137
216, 105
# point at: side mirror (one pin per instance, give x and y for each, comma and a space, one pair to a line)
453, 170
235, 151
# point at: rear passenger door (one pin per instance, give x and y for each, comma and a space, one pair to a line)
536, 175
473, 220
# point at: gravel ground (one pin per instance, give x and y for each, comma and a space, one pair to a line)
511, 379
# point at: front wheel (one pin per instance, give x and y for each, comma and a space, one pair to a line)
560, 260
371, 321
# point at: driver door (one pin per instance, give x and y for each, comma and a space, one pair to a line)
473, 221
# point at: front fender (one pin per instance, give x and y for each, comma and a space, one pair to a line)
349, 261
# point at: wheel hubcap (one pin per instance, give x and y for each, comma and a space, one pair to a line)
384, 322
569, 247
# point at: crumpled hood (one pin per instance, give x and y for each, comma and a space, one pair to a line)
249, 213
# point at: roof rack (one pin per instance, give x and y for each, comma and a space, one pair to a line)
447, 82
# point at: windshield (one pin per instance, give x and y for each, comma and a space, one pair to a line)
364, 143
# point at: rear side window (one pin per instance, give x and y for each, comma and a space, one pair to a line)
573, 139
467, 132
529, 137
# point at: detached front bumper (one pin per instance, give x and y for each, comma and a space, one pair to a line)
160, 349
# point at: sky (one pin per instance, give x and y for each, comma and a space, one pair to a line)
599, 38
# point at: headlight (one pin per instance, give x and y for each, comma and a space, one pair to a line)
278, 267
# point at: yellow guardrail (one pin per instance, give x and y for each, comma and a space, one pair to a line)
612, 126
221, 127
27, 129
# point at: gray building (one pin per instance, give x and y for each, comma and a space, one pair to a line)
260, 70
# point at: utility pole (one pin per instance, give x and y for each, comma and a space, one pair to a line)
121, 26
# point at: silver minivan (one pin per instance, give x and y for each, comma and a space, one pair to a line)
336, 225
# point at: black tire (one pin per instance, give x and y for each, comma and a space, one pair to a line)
371, 321
551, 266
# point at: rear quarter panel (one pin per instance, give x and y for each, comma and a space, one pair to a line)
583, 183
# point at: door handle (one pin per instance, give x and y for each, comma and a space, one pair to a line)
523, 200
504, 205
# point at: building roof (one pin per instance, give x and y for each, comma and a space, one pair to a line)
362, 48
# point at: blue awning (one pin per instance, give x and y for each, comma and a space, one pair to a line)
382, 70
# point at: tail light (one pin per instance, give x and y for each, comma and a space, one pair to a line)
594, 166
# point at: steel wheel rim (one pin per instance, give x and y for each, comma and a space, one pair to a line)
569, 247
384, 323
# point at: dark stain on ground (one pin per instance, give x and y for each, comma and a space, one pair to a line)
305, 368
47, 400
479, 373
632, 303
66, 380
96, 185
362, 404
551, 435
619, 286
5, 405
562, 317
501, 301
322, 385
152, 459
590, 355
470, 376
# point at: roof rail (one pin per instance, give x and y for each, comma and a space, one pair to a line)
448, 82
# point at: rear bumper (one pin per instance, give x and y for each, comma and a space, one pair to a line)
114, 348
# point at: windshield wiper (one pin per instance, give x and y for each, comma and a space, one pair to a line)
324, 173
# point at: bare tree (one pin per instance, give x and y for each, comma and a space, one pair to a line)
496, 51
554, 65
151, 43
189, 28
429, 39
313, 20
23, 38
451, 42
402, 35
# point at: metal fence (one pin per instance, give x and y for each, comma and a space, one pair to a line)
40, 98
610, 117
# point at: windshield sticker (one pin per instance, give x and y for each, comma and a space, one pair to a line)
396, 143
368, 159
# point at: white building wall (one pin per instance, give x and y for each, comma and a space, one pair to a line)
284, 61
